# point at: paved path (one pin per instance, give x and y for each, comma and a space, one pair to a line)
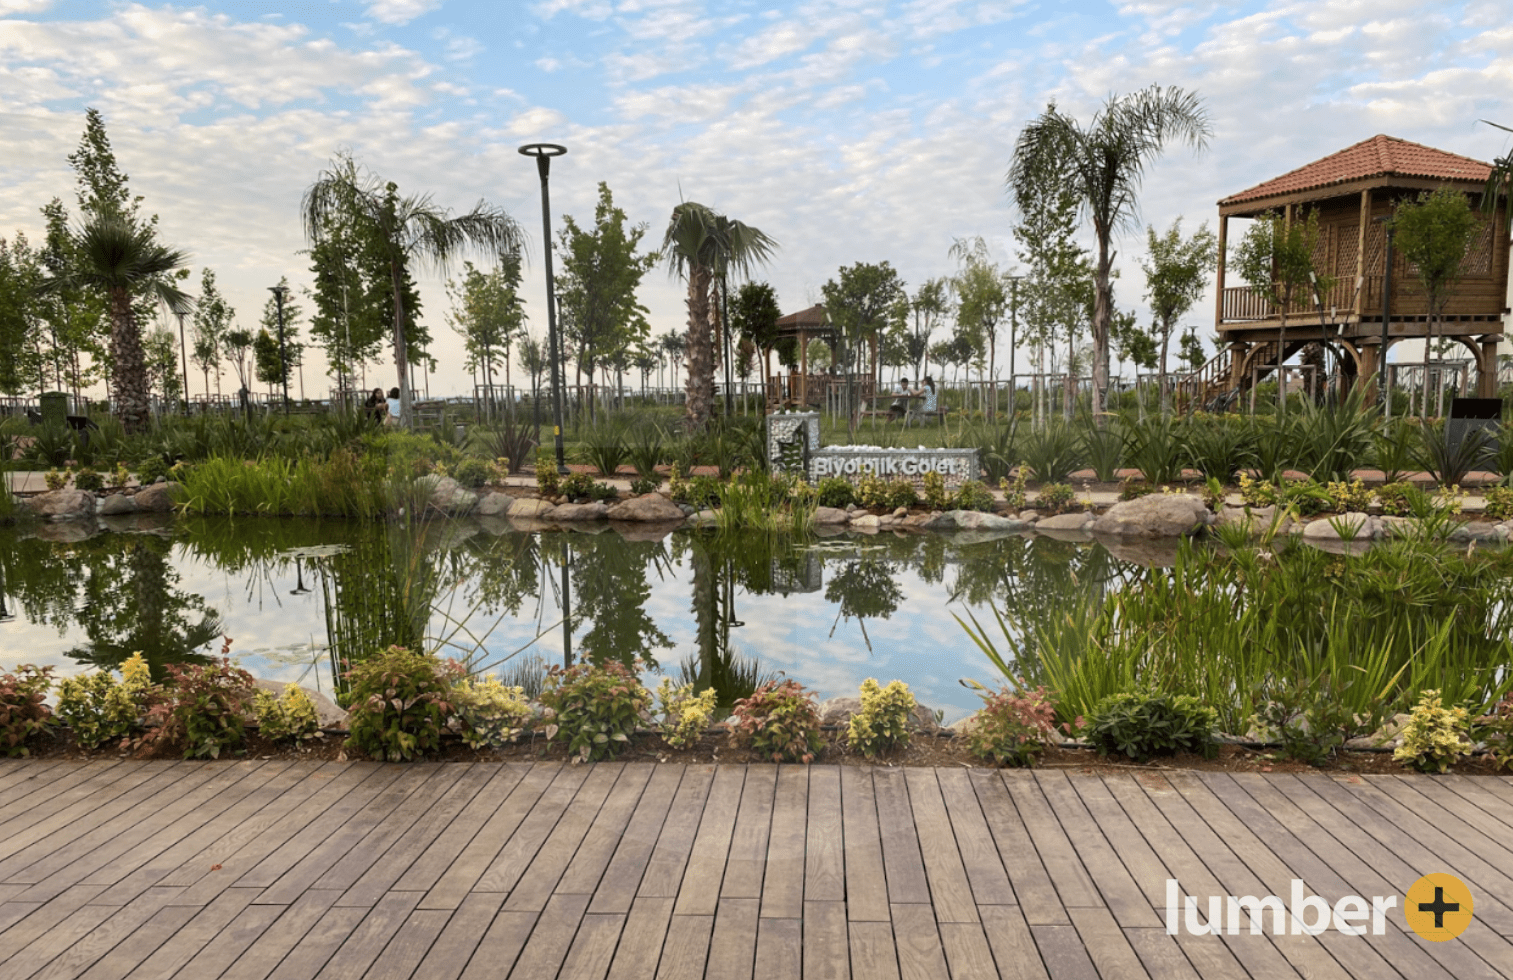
256, 870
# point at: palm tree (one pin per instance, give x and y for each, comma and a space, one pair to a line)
121, 259
1499, 180
702, 247
402, 229
1103, 165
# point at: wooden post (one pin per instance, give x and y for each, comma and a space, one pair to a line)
1219, 295
803, 370
1360, 251
1486, 378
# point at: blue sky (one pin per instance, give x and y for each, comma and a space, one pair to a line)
849, 130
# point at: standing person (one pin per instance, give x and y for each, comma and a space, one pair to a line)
393, 406
901, 402
931, 400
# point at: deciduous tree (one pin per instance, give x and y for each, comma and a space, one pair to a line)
1176, 273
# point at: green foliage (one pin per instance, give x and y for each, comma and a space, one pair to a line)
579, 487
1155, 448
1352, 496
1394, 447
488, 713
936, 495
1449, 462
85, 478
509, 439
779, 722
1216, 446
23, 707
1057, 498
1259, 493
972, 495
1309, 718
643, 485
1499, 503
1013, 726
1103, 448
885, 721
605, 446
836, 491
1497, 730
1014, 490
645, 450
1053, 453
594, 708
1133, 489
202, 707
685, 715
596, 287
1435, 736
1176, 274
472, 472
289, 717
1395, 498
55, 480
1142, 724
548, 481
97, 708
401, 702
701, 492
1434, 233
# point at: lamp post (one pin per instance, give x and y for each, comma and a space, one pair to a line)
279, 292
543, 152
1383, 384
184, 353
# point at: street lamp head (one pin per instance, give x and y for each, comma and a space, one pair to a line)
280, 291
543, 152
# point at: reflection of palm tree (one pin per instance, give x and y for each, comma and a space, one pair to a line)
718, 665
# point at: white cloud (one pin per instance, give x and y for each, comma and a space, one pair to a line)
8, 7
400, 11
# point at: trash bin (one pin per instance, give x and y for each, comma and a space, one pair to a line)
1469, 415
54, 408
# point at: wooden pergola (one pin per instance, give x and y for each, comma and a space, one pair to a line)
1351, 191
800, 388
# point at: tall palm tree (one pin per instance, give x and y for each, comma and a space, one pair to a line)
1499, 181
121, 259
403, 229
701, 247
1103, 165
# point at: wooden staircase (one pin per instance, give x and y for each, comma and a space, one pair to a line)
1211, 388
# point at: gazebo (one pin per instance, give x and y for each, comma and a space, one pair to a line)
800, 388
1351, 191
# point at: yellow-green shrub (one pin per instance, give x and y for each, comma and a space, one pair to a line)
1435, 735
291, 716
98, 708
685, 715
884, 721
489, 713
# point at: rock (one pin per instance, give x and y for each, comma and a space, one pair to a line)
1326, 529
331, 716
529, 507
449, 496
839, 711
494, 505
687, 510
977, 520
936, 521
1149, 552
851, 508
900, 512
1029, 516
595, 511
649, 507
1065, 522
644, 531
703, 518
62, 505
830, 515
67, 532
1257, 518
117, 503
1481, 533
963, 726
1156, 515
157, 499
866, 521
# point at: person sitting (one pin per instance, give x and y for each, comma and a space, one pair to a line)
377, 406
393, 406
900, 404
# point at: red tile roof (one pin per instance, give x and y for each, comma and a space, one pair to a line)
812, 317
1380, 156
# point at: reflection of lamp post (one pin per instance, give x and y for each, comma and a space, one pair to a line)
299, 575
543, 152
279, 292
184, 353
1382, 382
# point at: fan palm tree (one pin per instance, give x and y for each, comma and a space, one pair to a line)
1102, 165
403, 229
701, 247
121, 259
1499, 180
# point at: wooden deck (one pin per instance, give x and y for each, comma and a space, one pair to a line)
276, 871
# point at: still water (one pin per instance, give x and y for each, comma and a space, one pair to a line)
828, 612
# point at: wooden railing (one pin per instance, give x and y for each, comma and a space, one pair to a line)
1242, 303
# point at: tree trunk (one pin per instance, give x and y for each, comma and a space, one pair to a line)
699, 387
401, 356
1103, 304
1166, 339
133, 407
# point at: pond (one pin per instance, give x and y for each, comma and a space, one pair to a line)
828, 612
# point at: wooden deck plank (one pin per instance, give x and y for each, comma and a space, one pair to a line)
950, 891
1243, 841
316, 947
228, 945
37, 797
42, 917
1013, 945
746, 862
1140, 860
59, 937
356, 954
824, 838
866, 882
664, 869
699, 892
504, 872
1062, 953
641, 942
783, 886
732, 947
127, 954
549, 942
979, 855
84, 952
903, 863
1229, 874
1212, 960
873, 953
587, 867
593, 948
920, 955
968, 955
18, 777
1483, 811
439, 854
1159, 955
1476, 791
617, 892
780, 949
540, 878
413, 940
448, 957
468, 865
686, 948
827, 953
1110, 951
1073, 884
1166, 842
197, 933
286, 932
1027, 874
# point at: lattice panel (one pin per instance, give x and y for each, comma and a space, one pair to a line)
1478, 260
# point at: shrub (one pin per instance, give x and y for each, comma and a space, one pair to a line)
1499, 503
202, 706
488, 713
871, 489
581, 486
55, 480
1013, 727
1146, 723
936, 495
119, 477
779, 722
594, 708
1310, 720
401, 702
98, 708
1055, 498
643, 485
1348, 496
1498, 732
1132, 489
1258, 493
885, 720
1435, 736
289, 717
472, 472
685, 715
836, 491
699, 493
23, 707
1013, 490
899, 492
972, 495
85, 478
1307, 497
1395, 499
547, 480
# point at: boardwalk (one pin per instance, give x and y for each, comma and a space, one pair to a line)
276, 871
